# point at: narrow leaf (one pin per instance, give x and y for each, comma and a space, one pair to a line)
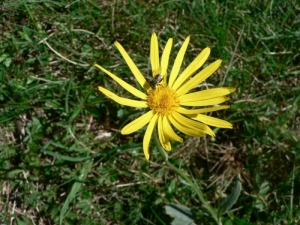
74, 190
231, 199
180, 213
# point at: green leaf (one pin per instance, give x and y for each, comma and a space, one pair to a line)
67, 158
183, 181
7, 62
231, 199
264, 188
3, 57
60, 156
76, 112
75, 189
180, 213
120, 113
20, 222
16, 171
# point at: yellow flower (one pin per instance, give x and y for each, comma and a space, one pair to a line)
169, 101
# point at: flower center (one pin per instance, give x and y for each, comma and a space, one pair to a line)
162, 100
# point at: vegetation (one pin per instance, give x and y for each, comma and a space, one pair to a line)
63, 159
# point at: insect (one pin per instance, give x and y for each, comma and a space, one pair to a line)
155, 80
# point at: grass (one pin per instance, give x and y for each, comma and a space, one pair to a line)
63, 159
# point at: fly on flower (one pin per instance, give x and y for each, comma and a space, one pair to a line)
154, 81
168, 98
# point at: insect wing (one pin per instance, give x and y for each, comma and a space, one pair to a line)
154, 82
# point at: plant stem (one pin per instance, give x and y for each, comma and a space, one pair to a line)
209, 208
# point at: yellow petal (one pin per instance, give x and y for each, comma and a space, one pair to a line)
189, 126
169, 130
137, 123
212, 121
198, 78
123, 101
163, 138
148, 135
165, 58
178, 62
125, 85
187, 130
138, 75
191, 69
213, 101
206, 94
204, 110
154, 53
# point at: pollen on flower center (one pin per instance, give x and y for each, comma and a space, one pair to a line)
162, 100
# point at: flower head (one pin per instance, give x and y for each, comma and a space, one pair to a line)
168, 99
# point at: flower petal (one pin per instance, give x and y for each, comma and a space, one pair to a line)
198, 78
178, 62
212, 121
123, 101
186, 130
136, 72
169, 130
165, 59
190, 127
191, 69
206, 94
163, 138
148, 135
125, 85
137, 123
154, 53
204, 110
213, 101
